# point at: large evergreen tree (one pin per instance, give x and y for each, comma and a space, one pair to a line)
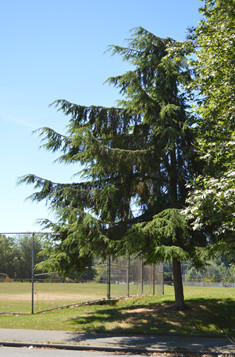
136, 159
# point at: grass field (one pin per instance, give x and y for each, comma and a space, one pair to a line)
17, 297
210, 312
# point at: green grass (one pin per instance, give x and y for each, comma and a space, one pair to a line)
210, 312
16, 297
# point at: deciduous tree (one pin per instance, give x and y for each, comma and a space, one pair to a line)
211, 201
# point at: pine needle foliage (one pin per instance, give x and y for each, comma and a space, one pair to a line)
136, 159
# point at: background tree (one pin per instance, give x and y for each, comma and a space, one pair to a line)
16, 255
136, 160
211, 201
8, 256
24, 249
215, 271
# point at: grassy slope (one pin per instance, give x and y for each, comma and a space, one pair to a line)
210, 312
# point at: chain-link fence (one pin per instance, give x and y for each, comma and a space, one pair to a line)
24, 289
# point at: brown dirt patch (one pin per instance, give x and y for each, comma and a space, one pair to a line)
137, 311
45, 297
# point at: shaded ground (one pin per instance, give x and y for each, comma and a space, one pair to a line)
201, 317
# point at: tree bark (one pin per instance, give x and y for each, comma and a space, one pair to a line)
173, 178
178, 284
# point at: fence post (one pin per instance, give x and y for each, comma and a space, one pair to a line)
32, 276
153, 279
162, 277
109, 278
128, 275
142, 277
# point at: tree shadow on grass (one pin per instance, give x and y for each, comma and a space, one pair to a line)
202, 317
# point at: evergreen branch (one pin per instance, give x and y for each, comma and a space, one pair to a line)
120, 150
127, 222
72, 108
54, 139
132, 83
126, 52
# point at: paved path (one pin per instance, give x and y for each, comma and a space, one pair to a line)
117, 342
45, 352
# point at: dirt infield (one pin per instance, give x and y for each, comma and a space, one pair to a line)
44, 297
17, 296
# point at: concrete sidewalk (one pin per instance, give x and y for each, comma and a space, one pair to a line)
111, 342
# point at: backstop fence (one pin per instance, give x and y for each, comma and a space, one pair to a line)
25, 289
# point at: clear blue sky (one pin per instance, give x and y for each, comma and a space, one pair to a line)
53, 49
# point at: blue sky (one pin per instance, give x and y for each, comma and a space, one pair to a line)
53, 49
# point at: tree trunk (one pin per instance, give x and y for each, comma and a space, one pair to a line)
173, 180
178, 284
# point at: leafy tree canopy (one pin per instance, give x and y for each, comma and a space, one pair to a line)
211, 201
16, 255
